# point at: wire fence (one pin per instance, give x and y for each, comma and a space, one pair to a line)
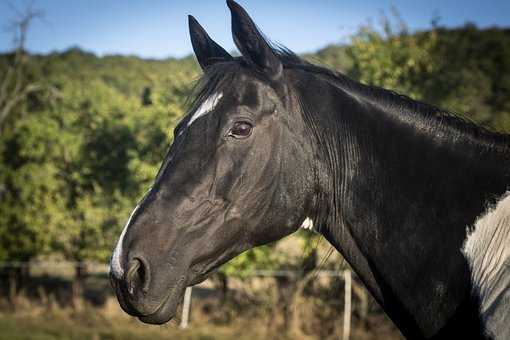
51, 264
345, 275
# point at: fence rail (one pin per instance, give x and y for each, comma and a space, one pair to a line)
51, 264
105, 267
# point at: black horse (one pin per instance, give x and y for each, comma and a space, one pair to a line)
413, 197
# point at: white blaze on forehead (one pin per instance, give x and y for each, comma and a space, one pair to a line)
115, 265
487, 249
307, 224
207, 106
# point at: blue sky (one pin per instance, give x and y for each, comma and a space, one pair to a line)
158, 29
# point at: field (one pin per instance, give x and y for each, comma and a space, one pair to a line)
64, 325
92, 326
253, 308
47, 312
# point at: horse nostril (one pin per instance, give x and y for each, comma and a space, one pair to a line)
137, 276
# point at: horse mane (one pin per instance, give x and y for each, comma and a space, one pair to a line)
389, 100
222, 74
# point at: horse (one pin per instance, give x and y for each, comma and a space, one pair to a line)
414, 198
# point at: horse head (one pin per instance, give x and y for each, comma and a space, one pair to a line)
238, 174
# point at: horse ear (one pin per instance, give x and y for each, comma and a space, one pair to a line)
252, 44
206, 50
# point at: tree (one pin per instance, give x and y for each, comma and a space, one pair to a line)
16, 85
463, 70
393, 58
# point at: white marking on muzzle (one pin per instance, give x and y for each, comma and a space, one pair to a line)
207, 106
115, 265
307, 224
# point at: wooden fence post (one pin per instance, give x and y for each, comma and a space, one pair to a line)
347, 305
186, 308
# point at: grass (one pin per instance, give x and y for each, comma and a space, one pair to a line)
52, 327
108, 322
44, 312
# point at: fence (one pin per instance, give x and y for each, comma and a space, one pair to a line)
346, 275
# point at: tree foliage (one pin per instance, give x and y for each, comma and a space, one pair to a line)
76, 155
463, 70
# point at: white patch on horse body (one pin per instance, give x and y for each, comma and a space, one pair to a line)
115, 266
487, 249
307, 224
207, 106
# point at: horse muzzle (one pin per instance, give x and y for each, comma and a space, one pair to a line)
139, 296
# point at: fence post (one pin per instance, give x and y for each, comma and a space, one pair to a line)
347, 305
186, 308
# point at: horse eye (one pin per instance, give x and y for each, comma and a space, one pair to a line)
241, 129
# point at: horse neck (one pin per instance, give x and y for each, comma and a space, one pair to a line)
397, 197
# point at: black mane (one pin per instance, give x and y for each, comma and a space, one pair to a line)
222, 74
391, 101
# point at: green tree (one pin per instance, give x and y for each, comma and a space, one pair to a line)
462, 70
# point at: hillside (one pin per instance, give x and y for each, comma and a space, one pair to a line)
76, 154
